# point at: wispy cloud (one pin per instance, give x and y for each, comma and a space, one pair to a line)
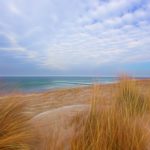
62, 34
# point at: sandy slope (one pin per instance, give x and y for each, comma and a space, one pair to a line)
56, 123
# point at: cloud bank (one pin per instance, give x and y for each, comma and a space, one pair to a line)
62, 34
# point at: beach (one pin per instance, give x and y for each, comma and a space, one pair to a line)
51, 112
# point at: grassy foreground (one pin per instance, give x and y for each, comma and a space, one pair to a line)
117, 127
122, 125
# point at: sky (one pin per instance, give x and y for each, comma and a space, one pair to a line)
74, 37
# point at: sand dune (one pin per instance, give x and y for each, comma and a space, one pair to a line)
56, 123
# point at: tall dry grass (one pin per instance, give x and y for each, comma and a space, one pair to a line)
15, 131
108, 130
129, 98
113, 128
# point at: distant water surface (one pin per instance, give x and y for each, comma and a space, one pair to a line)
37, 84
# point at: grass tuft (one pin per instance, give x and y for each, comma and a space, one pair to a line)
129, 98
15, 131
110, 128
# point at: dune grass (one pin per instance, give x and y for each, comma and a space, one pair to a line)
109, 131
114, 128
15, 131
129, 98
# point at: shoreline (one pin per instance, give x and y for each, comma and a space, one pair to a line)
20, 93
34, 91
17, 92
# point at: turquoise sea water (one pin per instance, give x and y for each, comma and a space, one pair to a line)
36, 84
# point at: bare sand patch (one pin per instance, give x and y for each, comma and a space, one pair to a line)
56, 123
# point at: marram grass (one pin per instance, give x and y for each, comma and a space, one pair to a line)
130, 100
15, 131
116, 127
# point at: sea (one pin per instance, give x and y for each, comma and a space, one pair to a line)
39, 84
